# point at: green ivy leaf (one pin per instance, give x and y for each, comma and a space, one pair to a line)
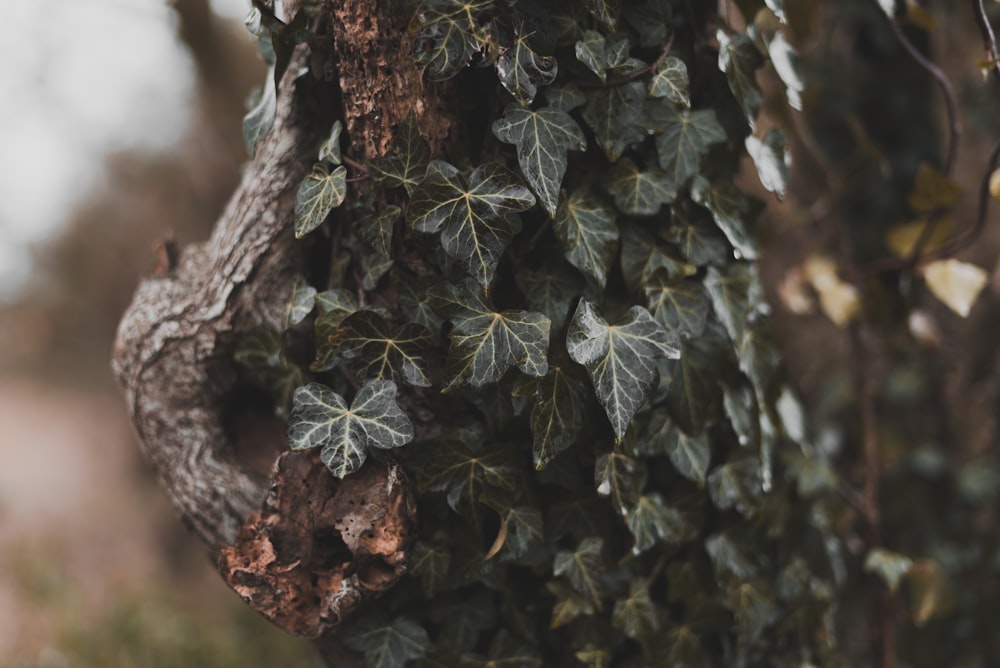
736, 484
694, 394
338, 302
551, 288
388, 643
620, 478
321, 418
262, 350
591, 52
468, 209
300, 303
543, 138
636, 615
734, 291
320, 193
671, 82
569, 604
690, 455
620, 358
365, 340
415, 299
684, 137
754, 607
639, 193
613, 114
525, 530
586, 228
430, 561
461, 466
739, 59
699, 240
771, 158
730, 559
728, 207
584, 568
376, 231
259, 120
740, 403
448, 40
407, 166
486, 343
522, 71
567, 97
680, 305
642, 256
605, 11
506, 651
652, 521
329, 150
557, 413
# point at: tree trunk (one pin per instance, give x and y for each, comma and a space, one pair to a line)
174, 351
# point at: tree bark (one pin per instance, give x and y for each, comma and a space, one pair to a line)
174, 350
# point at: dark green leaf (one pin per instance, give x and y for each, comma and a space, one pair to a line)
740, 403
321, 418
754, 607
671, 82
613, 113
468, 209
337, 302
605, 11
566, 98
320, 193
429, 561
591, 52
586, 228
415, 300
734, 291
463, 466
524, 531
584, 568
543, 138
522, 71
684, 137
759, 357
569, 604
679, 305
699, 240
408, 164
376, 231
486, 343
728, 206
620, 478
694, 393
557, 413
300, 303
329, 151
448, 39
639, 193
690, 455
636, 615
652, 521
620, 358
258, 121
551, 288
651, 21
364, 340
642, 256
260, 348
739, 59
730, 558
771, 158
736, 484
506, 651
388, 643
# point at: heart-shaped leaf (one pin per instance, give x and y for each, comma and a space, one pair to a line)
522, 71
586, 227
320, 193
365, 341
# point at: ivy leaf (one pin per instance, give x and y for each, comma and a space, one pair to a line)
259, 120
405, 167
505, 652
448, 39
263, 351
388, 643
415, 299
461, 466
584, 568
522, 71
679, 305
429, 561
620, 358
755, 609
613, 113
694, 395
671, 82
889, 566
739, 59
569, 604
605, 11
652, 521
329, 150
699, 240
364, 339
690, 455
557, 413
684, 137
591, 52
334, 303
620, 478
300, 303
771, 158
320, 193
524, 530
636, 614
468, 209
734, 291
321, 418
642, 256
486, 343
543, 138
640, 193
728, 206
740, 403
551, 288
737, 484
377, 230
730, 558
586, 228
566, 98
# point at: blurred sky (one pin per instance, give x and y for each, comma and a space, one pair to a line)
80, 80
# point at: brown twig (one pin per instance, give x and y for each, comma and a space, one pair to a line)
989, 38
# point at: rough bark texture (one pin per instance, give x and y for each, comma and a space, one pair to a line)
174, 356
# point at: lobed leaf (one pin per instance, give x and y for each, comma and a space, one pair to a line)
586, 228
408, 164
388, 643
683, 138
639, 193
320, 193
365, 340
522, 71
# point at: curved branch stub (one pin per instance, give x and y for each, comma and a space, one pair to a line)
319, 547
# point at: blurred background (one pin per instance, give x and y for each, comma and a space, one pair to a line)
120, 126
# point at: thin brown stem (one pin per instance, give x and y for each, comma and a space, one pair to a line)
989, 38
354, 164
